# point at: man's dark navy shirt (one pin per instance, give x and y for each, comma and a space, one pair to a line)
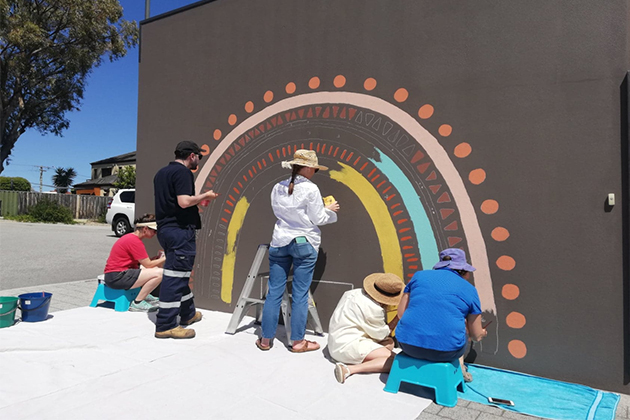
170, 181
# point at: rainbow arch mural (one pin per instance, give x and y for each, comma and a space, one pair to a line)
402, 176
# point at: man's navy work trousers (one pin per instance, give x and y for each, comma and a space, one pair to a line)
175, 295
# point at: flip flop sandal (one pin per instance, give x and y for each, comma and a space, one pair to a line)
341, 372
305, 348
259, 344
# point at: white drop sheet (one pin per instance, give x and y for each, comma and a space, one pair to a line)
100, 364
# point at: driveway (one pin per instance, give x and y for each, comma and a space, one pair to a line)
33, 254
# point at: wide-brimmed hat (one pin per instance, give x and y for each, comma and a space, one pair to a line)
304, 157
385, 288
150, 225
454, 259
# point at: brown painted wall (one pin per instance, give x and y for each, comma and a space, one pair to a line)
533, 89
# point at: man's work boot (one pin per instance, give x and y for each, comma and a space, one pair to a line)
177, 332
192, 320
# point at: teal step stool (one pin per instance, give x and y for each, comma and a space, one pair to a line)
121, 298
445, 378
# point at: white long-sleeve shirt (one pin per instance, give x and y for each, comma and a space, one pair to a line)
300, 213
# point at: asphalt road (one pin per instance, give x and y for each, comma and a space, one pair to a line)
33, 254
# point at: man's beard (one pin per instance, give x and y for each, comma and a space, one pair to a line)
193, 166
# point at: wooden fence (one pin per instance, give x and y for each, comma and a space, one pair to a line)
82, 206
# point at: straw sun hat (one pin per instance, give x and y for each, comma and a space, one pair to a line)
385, 288
304, 157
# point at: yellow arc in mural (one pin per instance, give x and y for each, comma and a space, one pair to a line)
377, 210
229, 259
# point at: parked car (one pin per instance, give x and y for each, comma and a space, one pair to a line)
121, 210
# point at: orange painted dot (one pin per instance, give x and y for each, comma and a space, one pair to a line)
510, 291
477, 176
505, 262
515, 320
268, 97
401, 95
232, 119
313, 83
217, 134
369, 84
205, 149
249, 106
339, 81
425, 111
290, 88
445, 130
462, 150
490, 206
194, 170
500, 234
517, 348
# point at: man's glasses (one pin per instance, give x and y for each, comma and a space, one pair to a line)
200, 156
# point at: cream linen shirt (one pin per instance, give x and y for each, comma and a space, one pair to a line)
356, 326
300, 213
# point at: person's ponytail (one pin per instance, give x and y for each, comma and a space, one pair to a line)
296, 169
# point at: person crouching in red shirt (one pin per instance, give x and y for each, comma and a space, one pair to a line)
122, 270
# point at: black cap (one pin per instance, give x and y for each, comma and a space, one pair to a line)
187, 147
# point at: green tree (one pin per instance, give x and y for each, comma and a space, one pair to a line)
47, 50
63, 178
126, 177
15, 183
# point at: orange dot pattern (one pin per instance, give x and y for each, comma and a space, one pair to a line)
462, 150
268, 96
506, 263
445, 130
517, 348
510, 291
425, 111
515, 320
489, 206
249, 106
290, 88
314, 83
477, 176
401, 95
500, 234
217, 134
369, 84
205, 150
232, 119
339, 81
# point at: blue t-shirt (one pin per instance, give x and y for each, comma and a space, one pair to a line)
439, 302
169, 182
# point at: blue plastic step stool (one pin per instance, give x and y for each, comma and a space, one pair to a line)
121, 298
445, 378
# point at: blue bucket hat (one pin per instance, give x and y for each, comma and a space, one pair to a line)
455, 259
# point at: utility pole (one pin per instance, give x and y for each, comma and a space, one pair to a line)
41, 174
147, 9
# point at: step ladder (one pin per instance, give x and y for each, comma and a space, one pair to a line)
246, 302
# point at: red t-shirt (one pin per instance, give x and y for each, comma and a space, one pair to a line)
125, 254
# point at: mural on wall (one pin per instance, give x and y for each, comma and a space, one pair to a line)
397, 184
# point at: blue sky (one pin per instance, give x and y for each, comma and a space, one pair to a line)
105, 126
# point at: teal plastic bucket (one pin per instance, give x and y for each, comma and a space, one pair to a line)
34, 306
8, 307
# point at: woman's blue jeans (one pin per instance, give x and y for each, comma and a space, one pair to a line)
303, 257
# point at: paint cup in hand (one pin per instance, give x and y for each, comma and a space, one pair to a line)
205, 203
161, 254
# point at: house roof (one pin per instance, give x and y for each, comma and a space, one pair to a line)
125, 158
98, 182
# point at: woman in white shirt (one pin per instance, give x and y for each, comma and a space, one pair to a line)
298, 205
359, 334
